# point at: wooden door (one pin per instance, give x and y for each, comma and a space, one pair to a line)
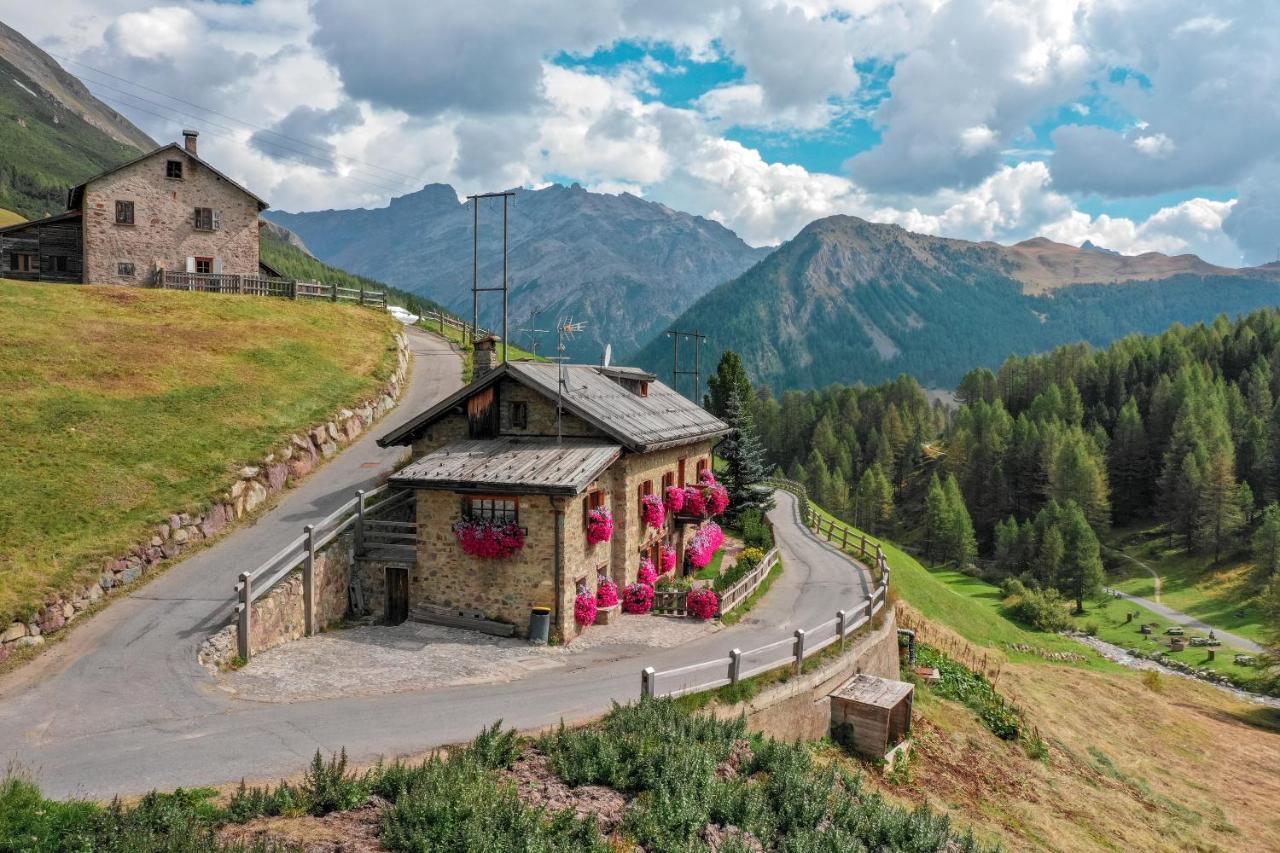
397, 594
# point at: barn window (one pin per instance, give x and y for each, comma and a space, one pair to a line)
124, 213
208, 219
21, 262
124, 269
519, 415
57, 263
173, 169
496, 509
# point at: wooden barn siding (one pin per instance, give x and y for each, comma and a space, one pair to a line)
45, 241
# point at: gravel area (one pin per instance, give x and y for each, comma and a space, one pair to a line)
376, 659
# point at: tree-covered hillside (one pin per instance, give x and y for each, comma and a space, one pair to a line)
848, 301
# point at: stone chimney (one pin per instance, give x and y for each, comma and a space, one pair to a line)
189, 141
484, 358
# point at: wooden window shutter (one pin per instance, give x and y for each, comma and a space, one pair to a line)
217, 220
191, 264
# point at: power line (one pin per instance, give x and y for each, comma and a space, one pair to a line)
223, 115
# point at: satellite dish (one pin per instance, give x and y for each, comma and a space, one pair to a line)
608, 354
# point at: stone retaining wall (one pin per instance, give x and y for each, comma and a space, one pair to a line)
279, 616
800, 707
296, 458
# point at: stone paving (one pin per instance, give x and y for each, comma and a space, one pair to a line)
375, 660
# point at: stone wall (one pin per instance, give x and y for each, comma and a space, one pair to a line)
254, 486
800, 708
280, 617
163, 233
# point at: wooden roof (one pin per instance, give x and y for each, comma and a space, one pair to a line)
662, 418
511, 465
874, 691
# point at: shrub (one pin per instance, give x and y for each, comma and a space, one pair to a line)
1042, 609
327, 787
973, 690
755, 532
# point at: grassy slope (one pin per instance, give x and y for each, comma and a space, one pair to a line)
125, 404
1225, 595
1180, 766
8, 217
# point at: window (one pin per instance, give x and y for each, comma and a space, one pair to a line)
57, 263
173, 169
204, 266
681, 469
594, 500
644, 389
504, 510
702, 466
519, 415
668, 480
124, 213
207, 219
124, 269
21, 262
643, 490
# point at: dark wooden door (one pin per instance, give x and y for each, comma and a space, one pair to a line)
397, 595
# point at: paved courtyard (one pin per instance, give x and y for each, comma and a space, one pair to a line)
375, 660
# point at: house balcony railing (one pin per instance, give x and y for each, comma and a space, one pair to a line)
261, 285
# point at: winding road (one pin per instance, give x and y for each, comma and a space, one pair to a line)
121, 706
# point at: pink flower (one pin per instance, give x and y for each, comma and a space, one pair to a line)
668, 559
694, 502
487, 539
647, 573
675, 498
703, 603
606, 592
704, 543
599, 526
584, 609
706, 477
637, 598
717, 498
653, 511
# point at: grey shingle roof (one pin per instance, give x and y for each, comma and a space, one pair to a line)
661, 419
512, 465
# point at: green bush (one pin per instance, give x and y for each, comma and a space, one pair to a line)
1042, 609
755, 532
747, 560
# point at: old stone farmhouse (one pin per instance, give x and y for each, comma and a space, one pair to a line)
519, 446
166, 210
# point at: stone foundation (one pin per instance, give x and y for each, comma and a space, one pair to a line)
296, 458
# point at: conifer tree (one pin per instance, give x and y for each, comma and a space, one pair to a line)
1129, 464
1081, 574
935, 518
730, 375
1076, 474
960, 545
1266, 541
744, 466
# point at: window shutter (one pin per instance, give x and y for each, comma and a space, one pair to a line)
217, 266
191, 264
217, 220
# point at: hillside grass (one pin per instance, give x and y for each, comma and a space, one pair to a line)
8, 217
123, 405
1225, 595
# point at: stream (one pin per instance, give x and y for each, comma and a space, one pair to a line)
1121, 656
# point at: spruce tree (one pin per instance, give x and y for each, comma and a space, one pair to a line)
960, 543
1266, 541
1129, 464
935, 518
744, 466
730, 376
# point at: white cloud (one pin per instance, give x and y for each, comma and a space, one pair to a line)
1155, 145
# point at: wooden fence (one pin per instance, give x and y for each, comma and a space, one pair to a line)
365, 513
790, 651
440, 320
260, 285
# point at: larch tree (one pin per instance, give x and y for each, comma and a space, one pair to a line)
1266, 541
1081, 574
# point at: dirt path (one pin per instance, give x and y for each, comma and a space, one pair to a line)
1155, 577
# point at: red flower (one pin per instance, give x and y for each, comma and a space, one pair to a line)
584, 609
694, 501
647, 573
668, 559
606, 592
654, 513
488, 539
704, 544
703, 603
675, 498
599, 526
637, 598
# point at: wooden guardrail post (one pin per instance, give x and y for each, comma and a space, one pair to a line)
840, 623
646, 682
309, 583
244, 614
735, 665
799, 650
360, 523
333, 292
844, 539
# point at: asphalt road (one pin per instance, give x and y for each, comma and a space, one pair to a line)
122, 706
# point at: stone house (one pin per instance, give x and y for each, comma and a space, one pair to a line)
166, 210
540, 446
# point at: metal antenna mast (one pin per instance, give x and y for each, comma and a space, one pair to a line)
476, 289
697, 338
564, 329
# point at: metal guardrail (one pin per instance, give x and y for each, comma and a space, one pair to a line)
792, 651
358, 513
260, 285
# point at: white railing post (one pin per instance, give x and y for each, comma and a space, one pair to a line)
646, 682
735, 665
244, 611
840, 623
309, 582
360, 523
799, 645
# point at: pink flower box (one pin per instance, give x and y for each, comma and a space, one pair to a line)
704, 544
584, 609
655, 514
599, 526
675, 498
606, 592
668, 559
487, 539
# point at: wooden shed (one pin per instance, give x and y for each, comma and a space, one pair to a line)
877, 709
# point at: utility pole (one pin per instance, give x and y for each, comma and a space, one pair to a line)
476, 289
676, 372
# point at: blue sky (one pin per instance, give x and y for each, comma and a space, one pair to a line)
1141, 125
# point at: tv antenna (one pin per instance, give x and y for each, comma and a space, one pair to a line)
565, 330
534, 332
697, 338
476, 289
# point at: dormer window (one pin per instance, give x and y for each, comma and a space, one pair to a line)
173, 169
519, 414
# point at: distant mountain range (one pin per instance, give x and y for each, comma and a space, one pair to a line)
622, 265
53, 132
848, 300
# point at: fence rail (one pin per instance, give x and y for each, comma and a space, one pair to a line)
260, 285
804, 643
367, 514
442, 320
